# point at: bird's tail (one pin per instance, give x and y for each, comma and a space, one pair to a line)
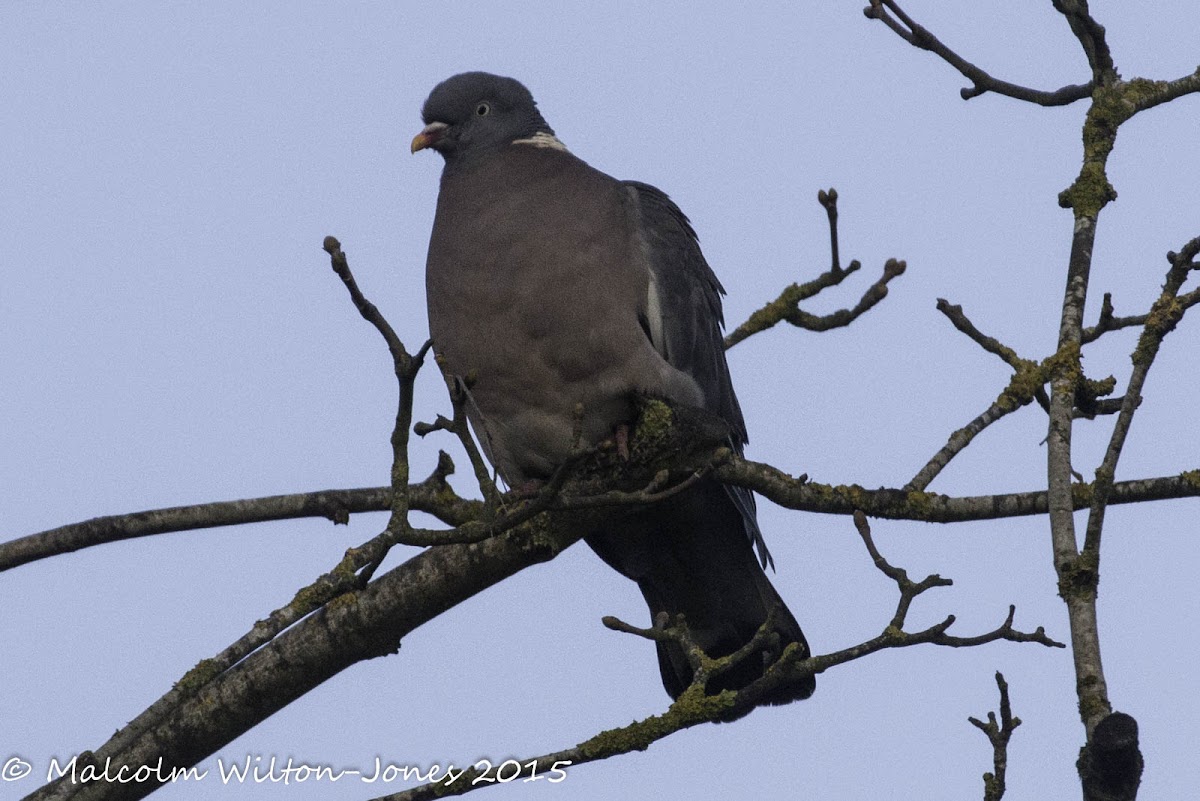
691, 555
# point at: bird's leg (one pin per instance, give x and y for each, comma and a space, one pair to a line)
621, 434
529, 488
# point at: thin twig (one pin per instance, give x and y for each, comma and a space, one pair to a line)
955, 314
917, 36
404, 366
1026, 385
963, 437
1109, 321
829, 201
460, 396
786, 307
998, 734
958, 317
908, 589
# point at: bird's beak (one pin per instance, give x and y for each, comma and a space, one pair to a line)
429, 136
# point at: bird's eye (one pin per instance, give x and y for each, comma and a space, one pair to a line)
483, 109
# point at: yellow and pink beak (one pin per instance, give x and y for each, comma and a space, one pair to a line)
429, 136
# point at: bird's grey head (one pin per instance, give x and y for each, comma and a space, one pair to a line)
473, 113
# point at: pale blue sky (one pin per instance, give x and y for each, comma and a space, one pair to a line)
171, 333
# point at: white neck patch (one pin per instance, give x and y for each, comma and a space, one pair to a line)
543, 139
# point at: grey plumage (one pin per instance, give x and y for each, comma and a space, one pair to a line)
552, 284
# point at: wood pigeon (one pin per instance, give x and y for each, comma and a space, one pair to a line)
555, 286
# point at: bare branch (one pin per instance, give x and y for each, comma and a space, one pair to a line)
1091, 37
1027, 384
694, 707
433, 496
1109, 322
931, 507
908, 30
998, 735
794, 493
367, 309
829, 201
363, 624
436, 497
459, 391
405, 368
1149, 94
1165, 314
908, 589
956, 315
786, 307
341, 619
963, 437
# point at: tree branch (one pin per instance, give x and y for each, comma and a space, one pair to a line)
436, 497
340, 619
908, 30
694, 707
1091, 37
433, 496
1148, 94
459, 397
360, 625
1109, 322
1164, 315
1027, 384
931, 507
786, 307
998, 735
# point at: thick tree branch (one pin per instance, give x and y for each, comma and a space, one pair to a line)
1078, 573
897, 504
436, 497
1148, 94
340, 619
360, 625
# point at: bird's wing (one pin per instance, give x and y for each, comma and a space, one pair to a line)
684, 319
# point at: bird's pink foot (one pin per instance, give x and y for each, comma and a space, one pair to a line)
529, 488
622, 437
